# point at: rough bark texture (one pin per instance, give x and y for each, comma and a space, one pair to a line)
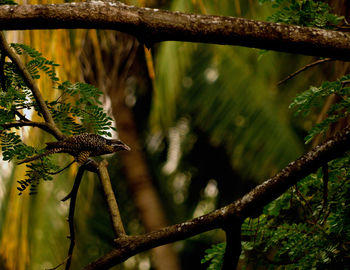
154, 25
237, 211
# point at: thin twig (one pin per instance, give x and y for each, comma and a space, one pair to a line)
59, 265
113, 209
75, 186
73, 197
305, 68
27, 78
61, 170
21, 116
302, 198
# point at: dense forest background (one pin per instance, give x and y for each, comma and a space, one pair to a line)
206, 123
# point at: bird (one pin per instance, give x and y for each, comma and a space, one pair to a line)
81, 147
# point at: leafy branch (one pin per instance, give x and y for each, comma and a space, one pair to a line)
314, 97
304, 12
61, 118
27, 78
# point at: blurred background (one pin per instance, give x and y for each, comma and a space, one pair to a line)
206, 123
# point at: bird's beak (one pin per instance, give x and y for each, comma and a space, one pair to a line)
126, 147
121, 146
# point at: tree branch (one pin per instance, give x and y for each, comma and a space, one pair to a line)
42, 125
317, 62
113, 209
256, 199
27, 78
154, 25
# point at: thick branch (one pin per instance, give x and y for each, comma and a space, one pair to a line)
251, 203
113, 209
153, 25
27, 78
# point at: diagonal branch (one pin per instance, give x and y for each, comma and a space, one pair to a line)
27, 78
154, 25
317, 62
113, 209
239, 210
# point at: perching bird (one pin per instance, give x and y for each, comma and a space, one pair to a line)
82, 147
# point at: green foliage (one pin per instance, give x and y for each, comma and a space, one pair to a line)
308, 227
13, 147
86, 108
305, 102
303, 12
37, 62
77, 109
302, 230
215, 256
39, 170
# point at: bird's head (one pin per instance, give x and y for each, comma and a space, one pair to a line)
118, 145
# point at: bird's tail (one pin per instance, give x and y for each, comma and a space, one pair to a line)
48, 152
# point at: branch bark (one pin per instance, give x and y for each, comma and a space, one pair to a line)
253, 201
113, 209
42, 125
154, 25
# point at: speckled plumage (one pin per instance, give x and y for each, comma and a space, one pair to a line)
82, 147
